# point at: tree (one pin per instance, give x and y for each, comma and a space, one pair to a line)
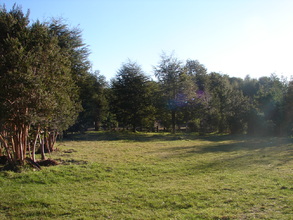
196, 111
100, 100
267, 116
236, 110
288, 109
70, 41
176, 85
131, 100
152, 105
94, 103
220, 89
198, 72
38, 95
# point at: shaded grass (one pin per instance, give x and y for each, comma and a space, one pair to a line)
156, 176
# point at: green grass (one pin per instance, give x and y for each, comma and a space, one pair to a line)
156, 176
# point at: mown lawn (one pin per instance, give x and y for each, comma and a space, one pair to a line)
156, 176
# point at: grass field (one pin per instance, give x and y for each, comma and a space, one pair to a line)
156, 176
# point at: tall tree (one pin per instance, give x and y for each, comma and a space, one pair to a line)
131, 100
37, 90
288, 110
196, 112
267, 115
94, 103
236, 111
70, 41
198, 72
176, 85
220, 89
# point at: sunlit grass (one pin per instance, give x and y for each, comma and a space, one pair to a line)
156, 176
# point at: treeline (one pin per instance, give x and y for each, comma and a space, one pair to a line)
47, 87
186, 96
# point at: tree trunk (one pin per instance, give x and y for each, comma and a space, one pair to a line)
97, 125
173, 121
46, 141
8, 152
42, 142
52, 140
34, 147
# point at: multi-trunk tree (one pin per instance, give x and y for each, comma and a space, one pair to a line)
38, 96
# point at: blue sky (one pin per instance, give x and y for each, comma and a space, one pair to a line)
234, 37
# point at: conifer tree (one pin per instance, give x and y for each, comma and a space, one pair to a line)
131, 97
176, 86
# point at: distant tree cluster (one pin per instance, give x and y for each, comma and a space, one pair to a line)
185, 95
46, 88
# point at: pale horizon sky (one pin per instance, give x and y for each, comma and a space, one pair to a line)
234, 37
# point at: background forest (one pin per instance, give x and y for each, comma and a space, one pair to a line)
47, 87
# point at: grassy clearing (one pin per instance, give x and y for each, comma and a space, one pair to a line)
156, 176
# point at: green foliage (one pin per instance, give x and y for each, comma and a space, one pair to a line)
35, 74
37, 88
236, 111
198, 72
70, 41
267, 116
176, 87
131, 98
288, 110
94, 103
90, 86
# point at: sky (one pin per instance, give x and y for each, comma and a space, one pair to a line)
233, 37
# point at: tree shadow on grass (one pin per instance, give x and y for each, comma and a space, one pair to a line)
144, 137
219, 144
261, 151
210, 143
120, 136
